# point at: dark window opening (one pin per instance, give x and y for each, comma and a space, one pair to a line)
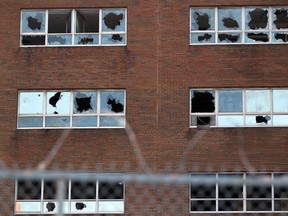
59, 21
87, 21
229, 37
281, 21
258, 37
33, 40
203, 102
28, 189
259, 18
230, 23
110, 190
83, 190
202, 21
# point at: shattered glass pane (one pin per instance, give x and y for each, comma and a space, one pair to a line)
86, 39
280, 120
257, 101
59, 39
53, 207
28, 207
115, 121
229, 38
59, 121
203, 121
113, 20
59, 21
31, 103
28, 40
280, 37
202, 38
26, 122
58, 103
258, 120
113, 39
83, 206
202, 101
256, 37
280, 100
112, 102
256, 18
230, 121
33, 21
230, 101
202, 19
87, 20
85, 102
90, 121
229, 19
111, 206
280, 18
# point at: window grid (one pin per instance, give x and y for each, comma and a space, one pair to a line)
271, 182
69, 201
73, 32
243, 114
71, 115
270, 31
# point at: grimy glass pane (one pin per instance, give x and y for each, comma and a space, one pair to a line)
258, 120
111, 206
85, 102
203, 186
31, 103
86, 39
87, 121
33, 21
257, 18
229, 19
203, 38
259, 205
280, 100
230, 121
230, 205
230, 186
83, 190
87, 20
113, 39
280, 120
258, 186
203, 205
112, 102
230, 38
257, 101
202, 101
111, 190
202, 19
113, 20
279, 17
27, 122
112, 121
281, 186
83, 206
59, 39
57, 121
230, 101
59, 21
58, 103
28, 190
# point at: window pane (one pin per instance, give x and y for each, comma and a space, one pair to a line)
58, 103
202, 101
83, 190
230, 101
112, 121
113, 20
203, 205
281, 205
229, 19
256, 18
28, 189
53, 207
203, 19
110, 190
203, 120
59, 121
85, 102
30, 122
230, 38
227, 121
83, 206
28, 40
87, 20
31, 103
111, 206
203, 37
59, 39
86, 39
280, 186
112, 102
256, 37
279, 17
90, 121
28, 207
230, 185
230, 205
50, 189
280, 120
280, 37
259, 120
33, 21
59, 21
259, 205
258, 186
280, 100
113, 39
203, 186
257, 101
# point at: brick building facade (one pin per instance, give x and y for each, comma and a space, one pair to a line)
157, 68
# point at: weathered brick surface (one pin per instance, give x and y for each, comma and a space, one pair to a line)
157, 68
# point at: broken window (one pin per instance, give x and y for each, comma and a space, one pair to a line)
77, 27
238, 25
76, 109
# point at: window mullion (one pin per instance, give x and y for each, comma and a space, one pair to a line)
46, 27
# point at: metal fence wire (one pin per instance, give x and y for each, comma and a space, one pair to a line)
33, 192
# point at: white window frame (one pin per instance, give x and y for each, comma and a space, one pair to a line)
243, 31
98, 114
67, 203
271, 182
243, 114
73, 29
